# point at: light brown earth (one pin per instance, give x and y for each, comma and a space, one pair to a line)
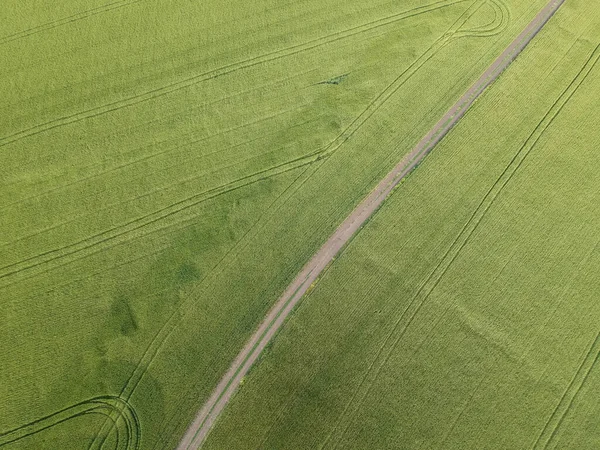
200, 427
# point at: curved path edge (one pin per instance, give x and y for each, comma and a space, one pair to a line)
206, 417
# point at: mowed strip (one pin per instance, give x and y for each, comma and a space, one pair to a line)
201, 426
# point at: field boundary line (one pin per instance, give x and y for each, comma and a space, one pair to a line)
120, 411
121, 230
210, 411
124, 231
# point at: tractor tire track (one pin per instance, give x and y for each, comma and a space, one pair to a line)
65, 21
121, 231
115, 409
551, 427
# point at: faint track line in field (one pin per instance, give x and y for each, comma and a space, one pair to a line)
179, 312
471, 225
464, 407
224, 70
115, 409
177, 115
501, 20
329, 149
65, 21
163, 213
278, 415
552, 425
217, 269
167, 187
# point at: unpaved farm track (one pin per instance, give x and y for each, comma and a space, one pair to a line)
199, 429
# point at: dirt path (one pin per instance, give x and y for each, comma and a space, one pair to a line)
199, 429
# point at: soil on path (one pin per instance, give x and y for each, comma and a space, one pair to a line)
199, 429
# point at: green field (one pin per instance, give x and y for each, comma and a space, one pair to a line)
166, 168
465, 315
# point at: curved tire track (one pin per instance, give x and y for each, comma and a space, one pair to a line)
120, 412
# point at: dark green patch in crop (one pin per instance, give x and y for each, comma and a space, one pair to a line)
123, 317
335, 80
187, 273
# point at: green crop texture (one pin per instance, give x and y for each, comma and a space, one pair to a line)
168, 166
465, 314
